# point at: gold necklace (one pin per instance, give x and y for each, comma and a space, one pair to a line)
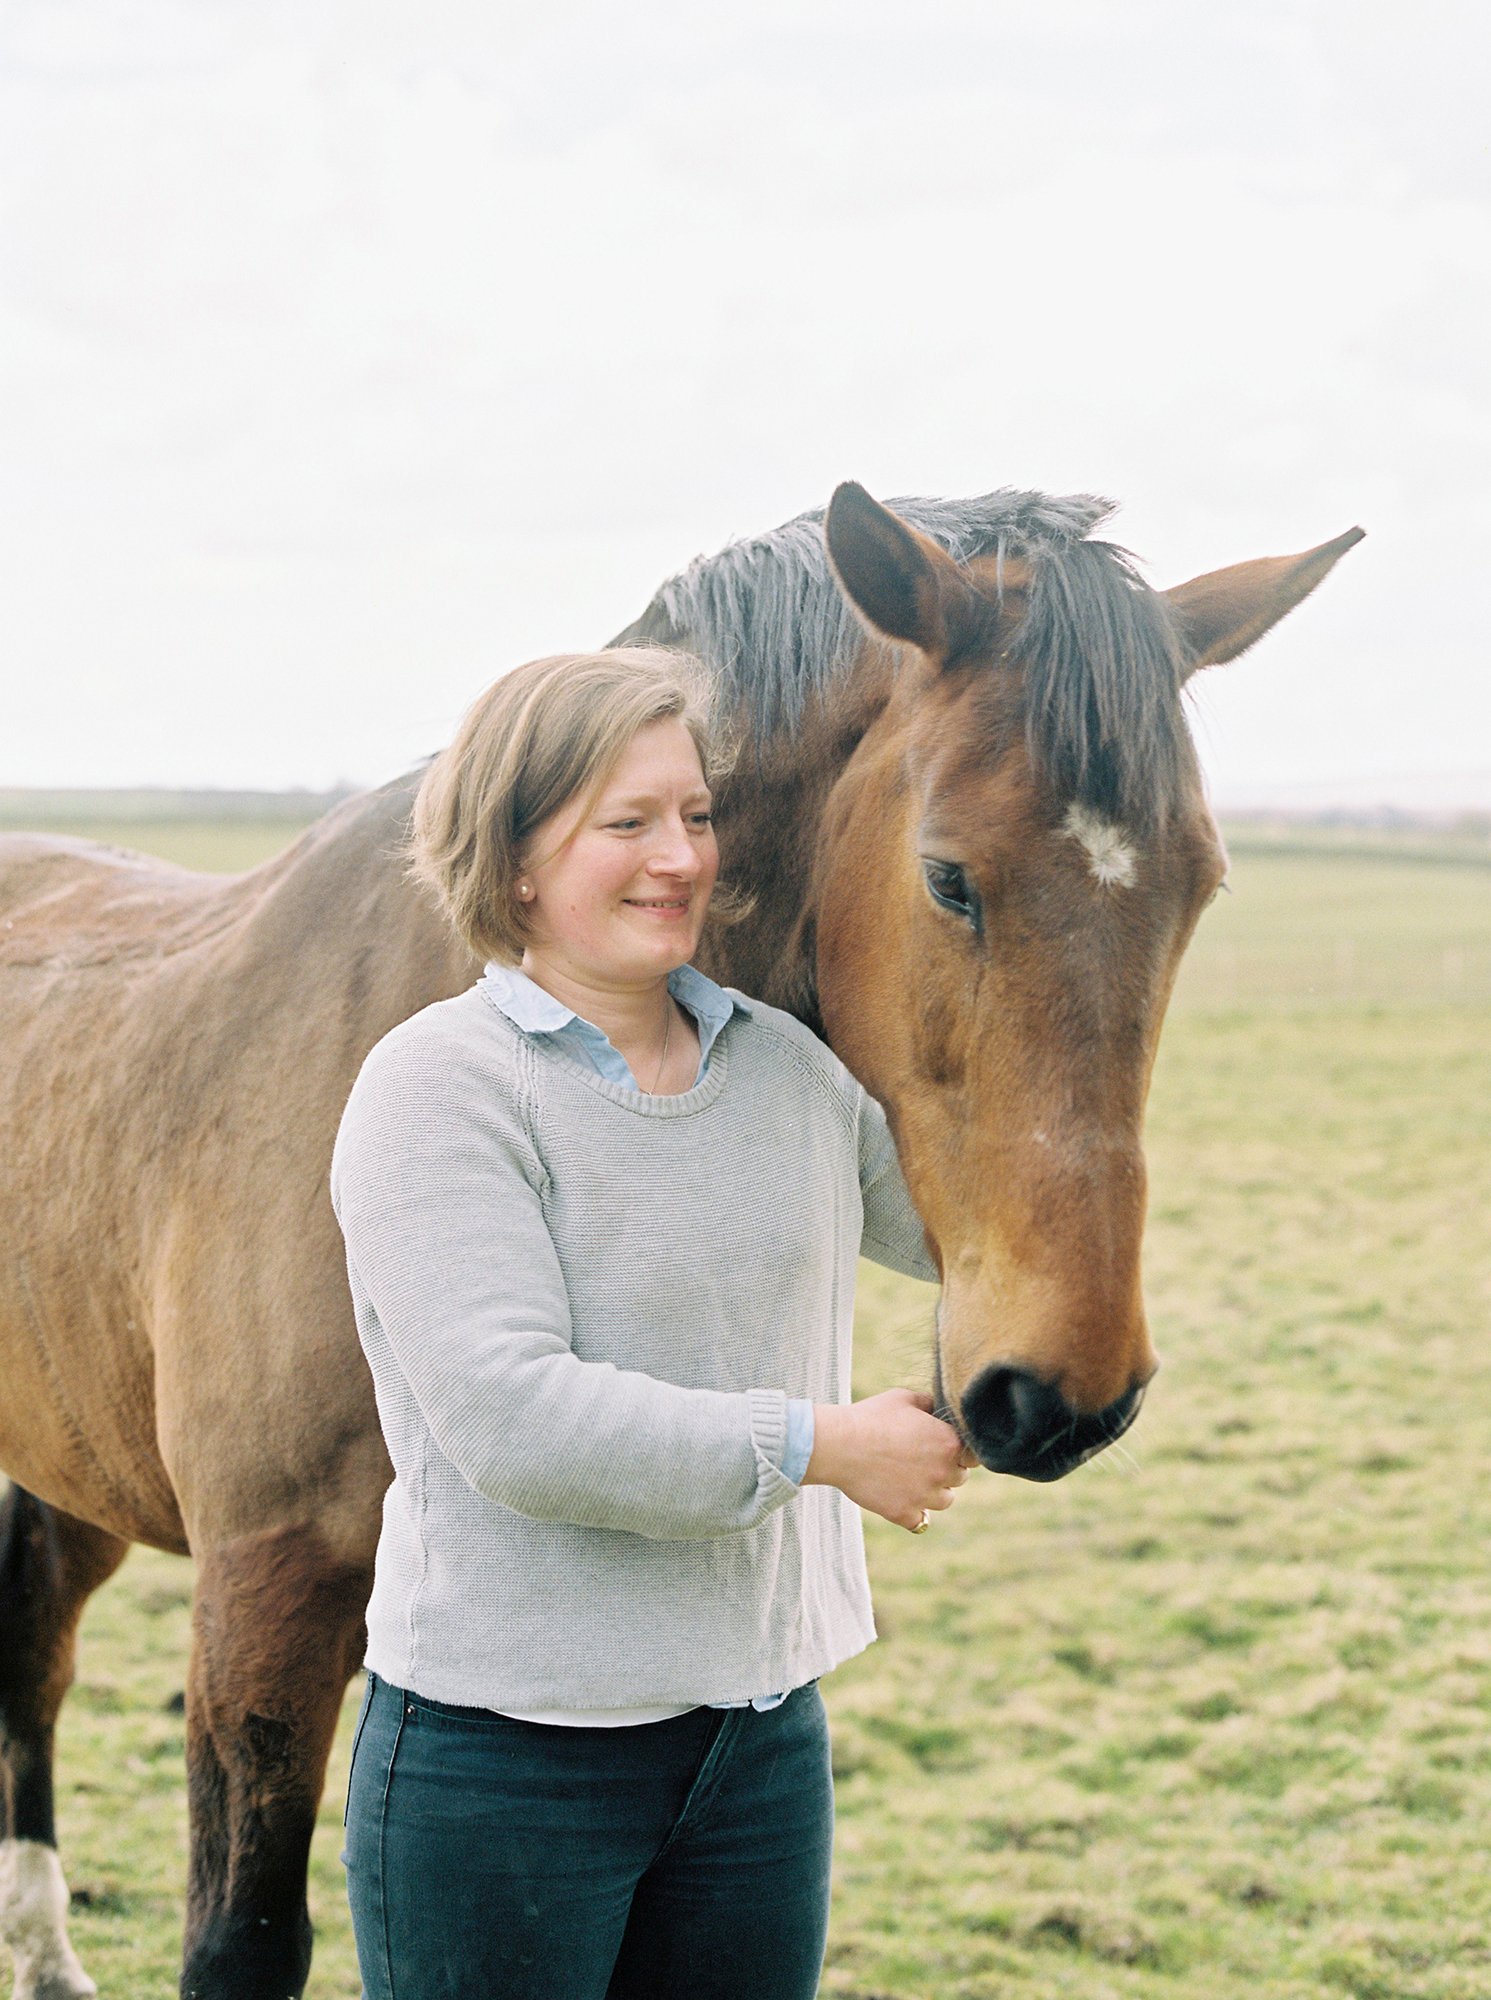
667, 1030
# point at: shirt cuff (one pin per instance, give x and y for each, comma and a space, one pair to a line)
799, 1446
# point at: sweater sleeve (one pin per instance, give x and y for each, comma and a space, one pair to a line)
453, 1271
893, 1233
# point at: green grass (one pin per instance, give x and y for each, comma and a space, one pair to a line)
1313, 928
1224, 1711
221, 832
1211, 1719
219, 846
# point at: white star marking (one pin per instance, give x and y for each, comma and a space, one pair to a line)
1108, 851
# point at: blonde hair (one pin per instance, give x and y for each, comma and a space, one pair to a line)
547, 733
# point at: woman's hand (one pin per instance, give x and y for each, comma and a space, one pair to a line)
888, 1454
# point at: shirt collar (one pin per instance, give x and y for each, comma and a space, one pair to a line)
531, 1007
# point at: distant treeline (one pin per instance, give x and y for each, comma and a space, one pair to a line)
1459, 838
156, 806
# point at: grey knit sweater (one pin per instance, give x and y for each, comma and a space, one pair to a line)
584, 1309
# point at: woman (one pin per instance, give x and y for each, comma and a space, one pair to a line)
602, 1217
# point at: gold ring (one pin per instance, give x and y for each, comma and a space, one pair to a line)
923, 1524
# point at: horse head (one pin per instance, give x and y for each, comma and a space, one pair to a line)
1009, 867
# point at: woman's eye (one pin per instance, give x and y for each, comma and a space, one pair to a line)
703, 819
948, 886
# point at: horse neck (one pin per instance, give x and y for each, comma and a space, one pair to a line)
770, 817
340, 897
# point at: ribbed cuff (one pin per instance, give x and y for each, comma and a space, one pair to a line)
769, 1436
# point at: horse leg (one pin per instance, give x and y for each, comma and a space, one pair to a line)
49, 1566
277, 1633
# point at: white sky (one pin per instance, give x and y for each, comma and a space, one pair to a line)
352, 353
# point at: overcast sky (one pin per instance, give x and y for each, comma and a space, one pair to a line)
353, 353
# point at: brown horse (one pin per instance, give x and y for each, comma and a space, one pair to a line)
977, 839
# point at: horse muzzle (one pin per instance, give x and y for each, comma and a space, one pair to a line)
1021, 1425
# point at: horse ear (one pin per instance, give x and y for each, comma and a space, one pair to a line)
899, 581
1221, 614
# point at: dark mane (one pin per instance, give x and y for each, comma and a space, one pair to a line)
1101, 658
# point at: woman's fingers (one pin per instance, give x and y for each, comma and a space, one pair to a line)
891, 1454
937, 1502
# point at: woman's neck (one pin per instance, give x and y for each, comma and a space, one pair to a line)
629, 1016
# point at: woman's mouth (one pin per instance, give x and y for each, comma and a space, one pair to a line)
660, 906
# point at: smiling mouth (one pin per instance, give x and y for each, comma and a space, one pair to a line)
666, 904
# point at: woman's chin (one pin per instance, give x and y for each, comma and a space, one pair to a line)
670, 944
655, 964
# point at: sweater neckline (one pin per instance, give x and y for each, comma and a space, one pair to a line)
678, 1104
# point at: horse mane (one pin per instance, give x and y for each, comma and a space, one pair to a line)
1102, 662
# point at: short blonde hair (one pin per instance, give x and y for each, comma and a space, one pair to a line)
547, 733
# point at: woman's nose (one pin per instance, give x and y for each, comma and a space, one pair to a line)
675, 853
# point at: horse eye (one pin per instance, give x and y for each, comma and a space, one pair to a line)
949, 887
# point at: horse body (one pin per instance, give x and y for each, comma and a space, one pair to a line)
986, 933
202, 1033
179, 1366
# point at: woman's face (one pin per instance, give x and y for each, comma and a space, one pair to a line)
623, 901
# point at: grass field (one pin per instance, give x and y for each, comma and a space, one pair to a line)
1211, 1718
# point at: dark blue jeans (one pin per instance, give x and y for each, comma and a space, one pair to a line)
489, 1859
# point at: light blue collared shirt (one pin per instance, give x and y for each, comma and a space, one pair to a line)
532, 1008
536, 1011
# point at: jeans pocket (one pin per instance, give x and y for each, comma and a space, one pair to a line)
453, 1716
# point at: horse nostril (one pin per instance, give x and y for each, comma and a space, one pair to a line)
1007, 1412
1020, 1424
